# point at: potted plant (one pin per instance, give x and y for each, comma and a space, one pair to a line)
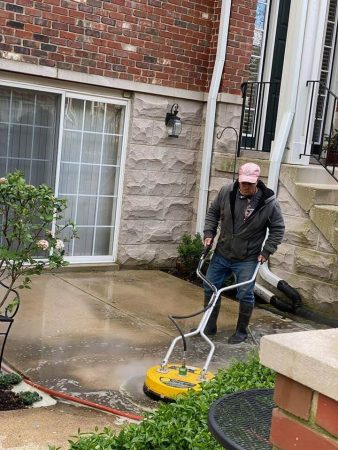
29, 240
330, 149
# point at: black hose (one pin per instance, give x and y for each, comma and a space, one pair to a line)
315, 317
281, 305
290, 292
297, 307
172, 318
303, 312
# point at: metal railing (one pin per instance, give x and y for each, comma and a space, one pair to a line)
258, 117
321, 139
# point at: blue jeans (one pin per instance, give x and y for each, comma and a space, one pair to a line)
221, 268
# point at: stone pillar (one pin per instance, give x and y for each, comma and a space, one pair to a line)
306, 392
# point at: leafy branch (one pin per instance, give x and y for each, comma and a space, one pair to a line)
30, 218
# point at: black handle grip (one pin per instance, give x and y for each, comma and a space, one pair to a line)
206, 250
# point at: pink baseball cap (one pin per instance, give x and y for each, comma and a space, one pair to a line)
249, 173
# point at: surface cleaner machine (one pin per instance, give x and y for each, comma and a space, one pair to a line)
167, 380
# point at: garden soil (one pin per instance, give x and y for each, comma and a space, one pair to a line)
9, 400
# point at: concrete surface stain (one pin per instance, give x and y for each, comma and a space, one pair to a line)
95, 335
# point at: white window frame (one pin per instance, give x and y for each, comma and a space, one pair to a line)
265, 71
74, 93
331, 72
260, 73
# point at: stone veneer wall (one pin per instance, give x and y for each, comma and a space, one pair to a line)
161, 192
305, 259
160, 181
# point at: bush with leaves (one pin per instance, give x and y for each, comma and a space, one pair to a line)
29, 397
7, 380
30, 238
181, 425
190, 250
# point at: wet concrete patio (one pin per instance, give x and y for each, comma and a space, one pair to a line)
94, 334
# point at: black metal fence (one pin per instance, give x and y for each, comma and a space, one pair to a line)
321, 140
259, 112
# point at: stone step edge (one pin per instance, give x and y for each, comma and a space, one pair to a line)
318, 186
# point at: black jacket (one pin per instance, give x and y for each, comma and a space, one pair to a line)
248, 241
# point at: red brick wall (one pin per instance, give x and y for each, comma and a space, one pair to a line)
163, 42
239, 47
304, 419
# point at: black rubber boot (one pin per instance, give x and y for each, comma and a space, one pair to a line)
211, 327
241, 333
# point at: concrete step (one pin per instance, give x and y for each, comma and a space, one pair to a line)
325, 217
307, 174
310, 194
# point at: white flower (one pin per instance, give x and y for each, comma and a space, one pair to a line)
43, 244
3, 180
59, 245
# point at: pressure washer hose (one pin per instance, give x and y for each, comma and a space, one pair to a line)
202, 311
73, 399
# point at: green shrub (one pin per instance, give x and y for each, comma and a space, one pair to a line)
7, 380
31, 228
181, 425
28, 398
190, 250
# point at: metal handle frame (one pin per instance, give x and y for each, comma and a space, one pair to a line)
204, 320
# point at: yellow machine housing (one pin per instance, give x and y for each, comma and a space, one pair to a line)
168, 383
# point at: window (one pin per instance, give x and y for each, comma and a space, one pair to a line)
28, 139
255, 92
74, 144
256, 60
89, 172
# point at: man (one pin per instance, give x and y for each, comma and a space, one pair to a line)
245, 211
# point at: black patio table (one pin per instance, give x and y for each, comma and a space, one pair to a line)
242, 420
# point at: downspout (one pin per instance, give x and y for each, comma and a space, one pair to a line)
211, 113
273, 177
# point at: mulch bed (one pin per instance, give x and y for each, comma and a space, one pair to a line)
186, 276
9, 400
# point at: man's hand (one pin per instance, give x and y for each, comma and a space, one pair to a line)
207, 242
262, 259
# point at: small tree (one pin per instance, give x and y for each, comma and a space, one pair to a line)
29, 236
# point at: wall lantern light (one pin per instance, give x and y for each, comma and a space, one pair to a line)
173, 123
